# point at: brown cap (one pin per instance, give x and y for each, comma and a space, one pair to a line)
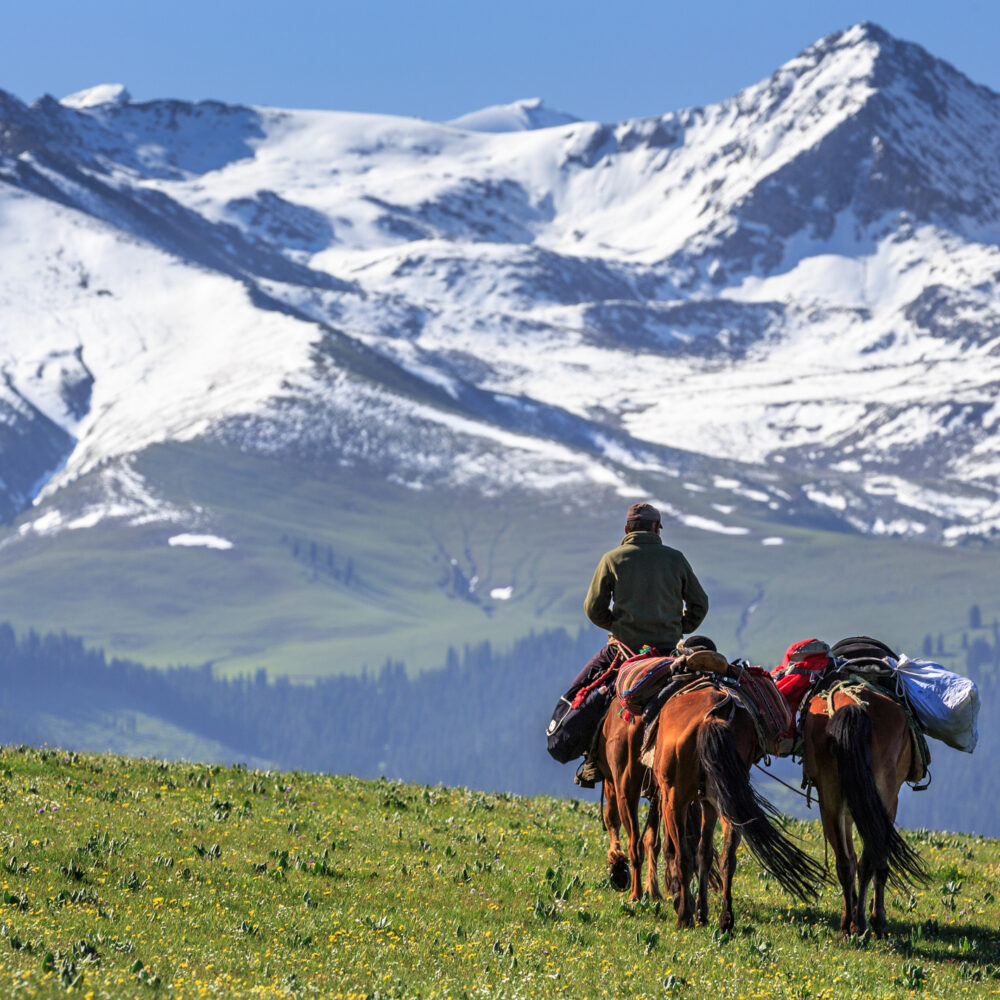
642, 512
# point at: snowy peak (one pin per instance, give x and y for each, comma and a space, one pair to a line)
858, 124
814, 258
894, 60
92, 97
521, 116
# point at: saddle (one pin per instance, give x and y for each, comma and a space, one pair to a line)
751, 688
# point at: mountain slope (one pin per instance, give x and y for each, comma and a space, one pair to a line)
771, 315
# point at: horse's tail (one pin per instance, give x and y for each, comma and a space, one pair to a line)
740, 804
850, 735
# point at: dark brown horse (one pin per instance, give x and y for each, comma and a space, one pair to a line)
858, 752
618, 749
705, 745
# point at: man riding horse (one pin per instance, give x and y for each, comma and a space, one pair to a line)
646, 595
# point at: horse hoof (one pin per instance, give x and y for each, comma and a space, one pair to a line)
619, 876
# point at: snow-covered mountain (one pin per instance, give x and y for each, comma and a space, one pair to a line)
791, 295
516, 117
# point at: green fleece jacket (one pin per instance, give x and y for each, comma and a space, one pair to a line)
656, 596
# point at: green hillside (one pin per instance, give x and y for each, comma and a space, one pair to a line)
336, 569
126, 877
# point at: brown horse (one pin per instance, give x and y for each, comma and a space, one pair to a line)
705, 746
617, 757
858, 752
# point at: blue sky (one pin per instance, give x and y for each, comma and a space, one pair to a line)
437, 60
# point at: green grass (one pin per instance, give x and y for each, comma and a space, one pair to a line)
256, 606
138, 878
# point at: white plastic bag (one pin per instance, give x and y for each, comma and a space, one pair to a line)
946, 704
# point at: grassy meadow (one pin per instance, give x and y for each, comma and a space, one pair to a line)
135, 878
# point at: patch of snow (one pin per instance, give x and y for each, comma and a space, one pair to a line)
756, 495
898, 526
772, 540
200, 541
46, 524
707, 524
501, 593
93, 517
834, 500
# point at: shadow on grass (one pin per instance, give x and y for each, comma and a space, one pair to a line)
974, 944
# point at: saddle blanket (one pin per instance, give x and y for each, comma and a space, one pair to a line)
640, 678
775, 717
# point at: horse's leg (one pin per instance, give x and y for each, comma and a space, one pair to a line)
878, 903
617, 865
651, 843
627, 787
824, 771
888, 787
706, 855
867, 869
730, 842
669, 855
837, 830
675, 821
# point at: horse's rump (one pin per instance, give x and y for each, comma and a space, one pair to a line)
854, 729
851, 688
751, 688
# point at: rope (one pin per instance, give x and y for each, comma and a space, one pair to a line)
615, 663
785, 783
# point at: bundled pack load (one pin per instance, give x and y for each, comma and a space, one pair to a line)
946, 704
574, 722
802, 662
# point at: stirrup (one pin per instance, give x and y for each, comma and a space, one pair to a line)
587, 774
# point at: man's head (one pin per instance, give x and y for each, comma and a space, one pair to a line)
642, 517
